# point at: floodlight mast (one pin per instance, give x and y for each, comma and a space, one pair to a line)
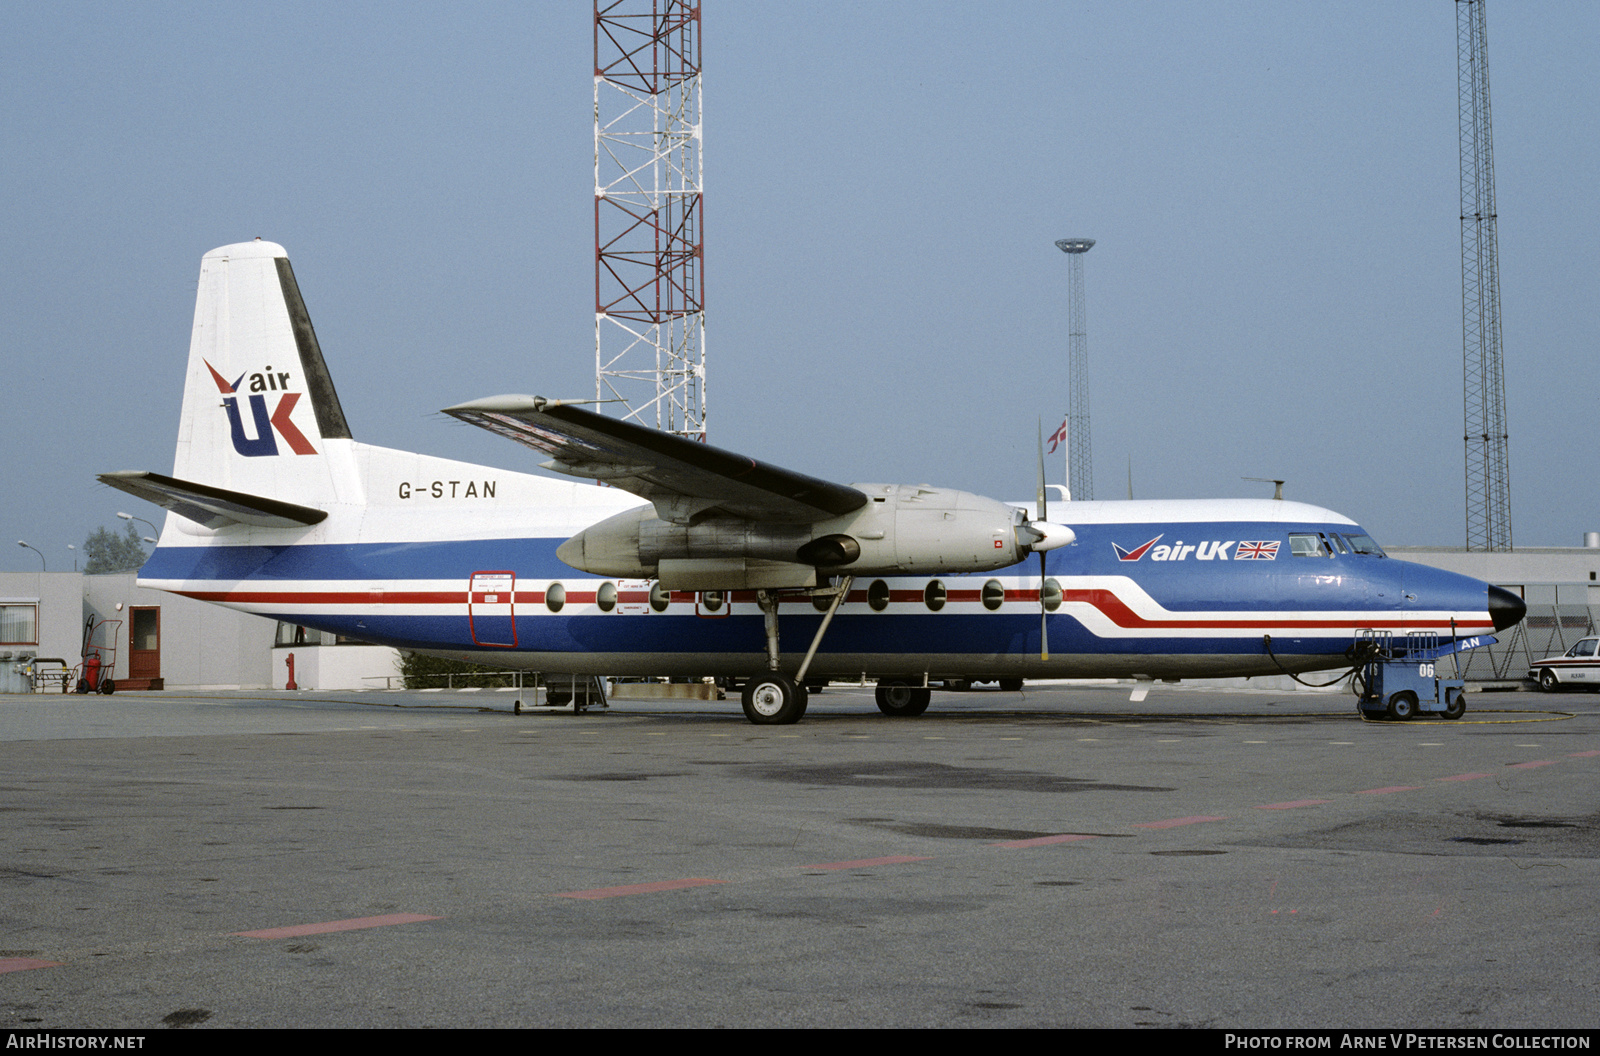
649, 253
1080, 456
1485, 433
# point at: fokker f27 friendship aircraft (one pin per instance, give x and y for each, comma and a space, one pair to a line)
274, 508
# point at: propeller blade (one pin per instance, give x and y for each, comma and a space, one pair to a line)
1042, 513
1042, 516
1044, 628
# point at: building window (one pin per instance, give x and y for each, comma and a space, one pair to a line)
293, 634
19, 625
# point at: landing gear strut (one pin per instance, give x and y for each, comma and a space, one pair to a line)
773, 698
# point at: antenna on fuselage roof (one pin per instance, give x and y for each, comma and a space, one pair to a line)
1278, 493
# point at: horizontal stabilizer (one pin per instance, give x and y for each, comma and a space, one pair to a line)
212, 507
685, 480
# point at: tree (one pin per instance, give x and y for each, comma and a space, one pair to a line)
109, 552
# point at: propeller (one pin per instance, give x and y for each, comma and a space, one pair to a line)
1039, 535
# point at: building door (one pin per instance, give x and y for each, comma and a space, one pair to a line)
144, 641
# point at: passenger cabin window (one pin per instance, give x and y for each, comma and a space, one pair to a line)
934, 594
606, 596
878, 595
1050, 595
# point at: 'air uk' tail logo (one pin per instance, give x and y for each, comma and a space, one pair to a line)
264, 442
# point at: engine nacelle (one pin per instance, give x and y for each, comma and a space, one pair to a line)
902, 530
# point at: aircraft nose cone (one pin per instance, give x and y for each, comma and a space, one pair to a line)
1505, 608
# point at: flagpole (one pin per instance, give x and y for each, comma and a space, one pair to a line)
1066, 453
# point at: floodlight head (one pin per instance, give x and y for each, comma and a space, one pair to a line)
1074, 245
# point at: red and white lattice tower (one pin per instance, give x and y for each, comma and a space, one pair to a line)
649, 263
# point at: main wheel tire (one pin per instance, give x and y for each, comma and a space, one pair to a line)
1011, 685
1403, 706
900, 698
773, 700
1548, 681
1455, 704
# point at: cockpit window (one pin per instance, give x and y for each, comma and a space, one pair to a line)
1363, 544
1306, 544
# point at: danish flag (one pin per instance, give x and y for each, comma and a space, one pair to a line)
1059, 436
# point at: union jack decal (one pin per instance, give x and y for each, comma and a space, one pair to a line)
1257, 551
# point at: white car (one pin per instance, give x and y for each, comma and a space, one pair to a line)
1579, 666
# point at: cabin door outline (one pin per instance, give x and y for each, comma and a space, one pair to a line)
492, 610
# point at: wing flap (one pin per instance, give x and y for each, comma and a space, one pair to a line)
683, 479
213, 507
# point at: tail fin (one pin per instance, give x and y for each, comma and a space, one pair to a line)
260, 414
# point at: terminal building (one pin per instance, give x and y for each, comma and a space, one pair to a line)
155, 640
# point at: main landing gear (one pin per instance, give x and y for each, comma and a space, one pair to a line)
772, 698
900, 698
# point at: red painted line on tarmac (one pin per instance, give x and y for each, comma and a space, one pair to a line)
1530, 765
893, 859
1045, 841
22, 964
1292, 804
1462, 777
354, 924
638, 889
1403, 788
1584, 755
1172, 823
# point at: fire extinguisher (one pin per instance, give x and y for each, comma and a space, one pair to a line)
91, 672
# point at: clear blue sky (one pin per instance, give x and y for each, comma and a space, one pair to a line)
1273, 187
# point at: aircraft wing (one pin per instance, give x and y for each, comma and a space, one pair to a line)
682, 478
